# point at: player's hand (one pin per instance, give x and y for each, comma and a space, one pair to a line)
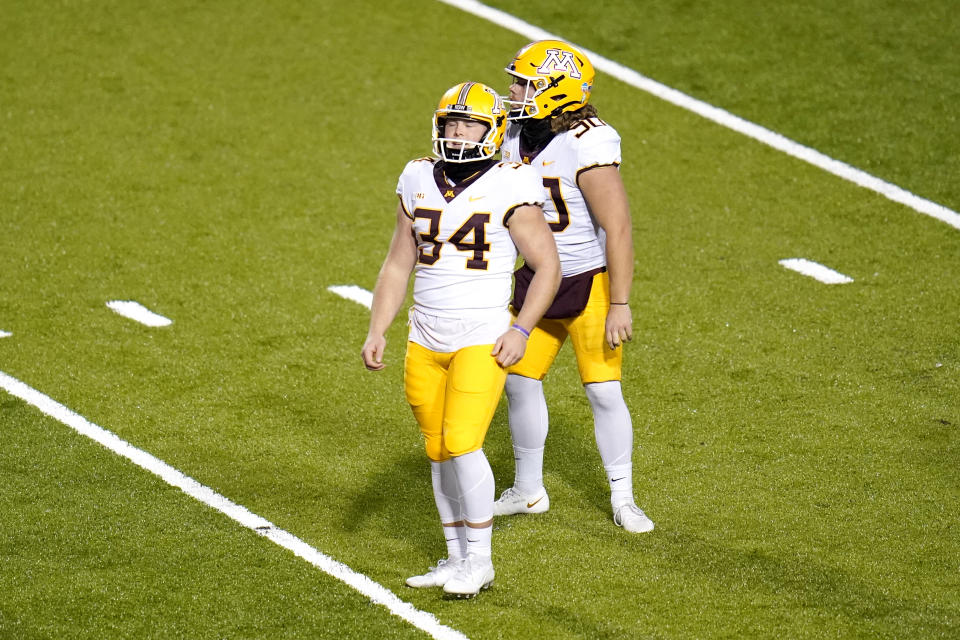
509, 348
619, 326
372, 352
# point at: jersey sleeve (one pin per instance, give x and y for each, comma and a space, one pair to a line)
599, 146
409, 184
529, 186
527, 189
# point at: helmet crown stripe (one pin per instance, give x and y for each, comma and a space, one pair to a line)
464, 93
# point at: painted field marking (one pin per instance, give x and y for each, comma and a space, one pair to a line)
376, 592
816, 270
721, 117
139, 313
5, 334
353, 292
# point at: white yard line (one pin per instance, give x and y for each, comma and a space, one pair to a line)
721, 117
352, 292
816, 270
5, 334
139, 313
376, 592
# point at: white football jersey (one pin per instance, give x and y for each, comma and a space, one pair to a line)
591, 143
465, 255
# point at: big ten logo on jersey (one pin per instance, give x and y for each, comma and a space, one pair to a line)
559, 60
586, 124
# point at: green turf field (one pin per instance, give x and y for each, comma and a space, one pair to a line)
797, 444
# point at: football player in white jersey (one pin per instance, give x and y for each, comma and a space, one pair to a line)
553, 129
461, 220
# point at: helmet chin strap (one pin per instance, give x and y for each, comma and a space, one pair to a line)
466, 155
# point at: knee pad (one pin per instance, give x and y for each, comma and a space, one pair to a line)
604, 395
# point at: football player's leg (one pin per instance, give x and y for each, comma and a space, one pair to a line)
424, 381
446, 494
596, 361
474, 387
529, 423
600, 367
529, 420
475, 477
613, 430
425, 376
600, 372
473, 392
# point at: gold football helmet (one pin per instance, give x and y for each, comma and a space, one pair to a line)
469, 101
560, 75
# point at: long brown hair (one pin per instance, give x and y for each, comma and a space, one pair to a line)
568, 119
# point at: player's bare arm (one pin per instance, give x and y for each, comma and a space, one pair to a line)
390, 290
534, 241
606, 196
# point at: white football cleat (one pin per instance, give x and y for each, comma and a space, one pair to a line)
512, 501
632, 518
473, 574
436, 577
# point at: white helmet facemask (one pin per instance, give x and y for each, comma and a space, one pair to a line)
459, 149
527, 106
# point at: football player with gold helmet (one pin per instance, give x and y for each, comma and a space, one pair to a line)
462, 218
555, 129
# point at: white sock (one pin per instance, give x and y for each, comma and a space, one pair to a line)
528, 429
620, 477
456, 541
479, 541
475, 478
446, 496
613, 430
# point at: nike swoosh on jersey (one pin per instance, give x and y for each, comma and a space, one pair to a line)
546, 162
472, 198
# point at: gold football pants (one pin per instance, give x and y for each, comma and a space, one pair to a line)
596, 361
453, 396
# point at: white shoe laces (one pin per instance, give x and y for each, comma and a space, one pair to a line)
632, 509
511, 494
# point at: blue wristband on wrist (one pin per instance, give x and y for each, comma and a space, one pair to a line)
526, 334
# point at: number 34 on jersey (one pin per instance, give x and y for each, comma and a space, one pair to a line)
464, 250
